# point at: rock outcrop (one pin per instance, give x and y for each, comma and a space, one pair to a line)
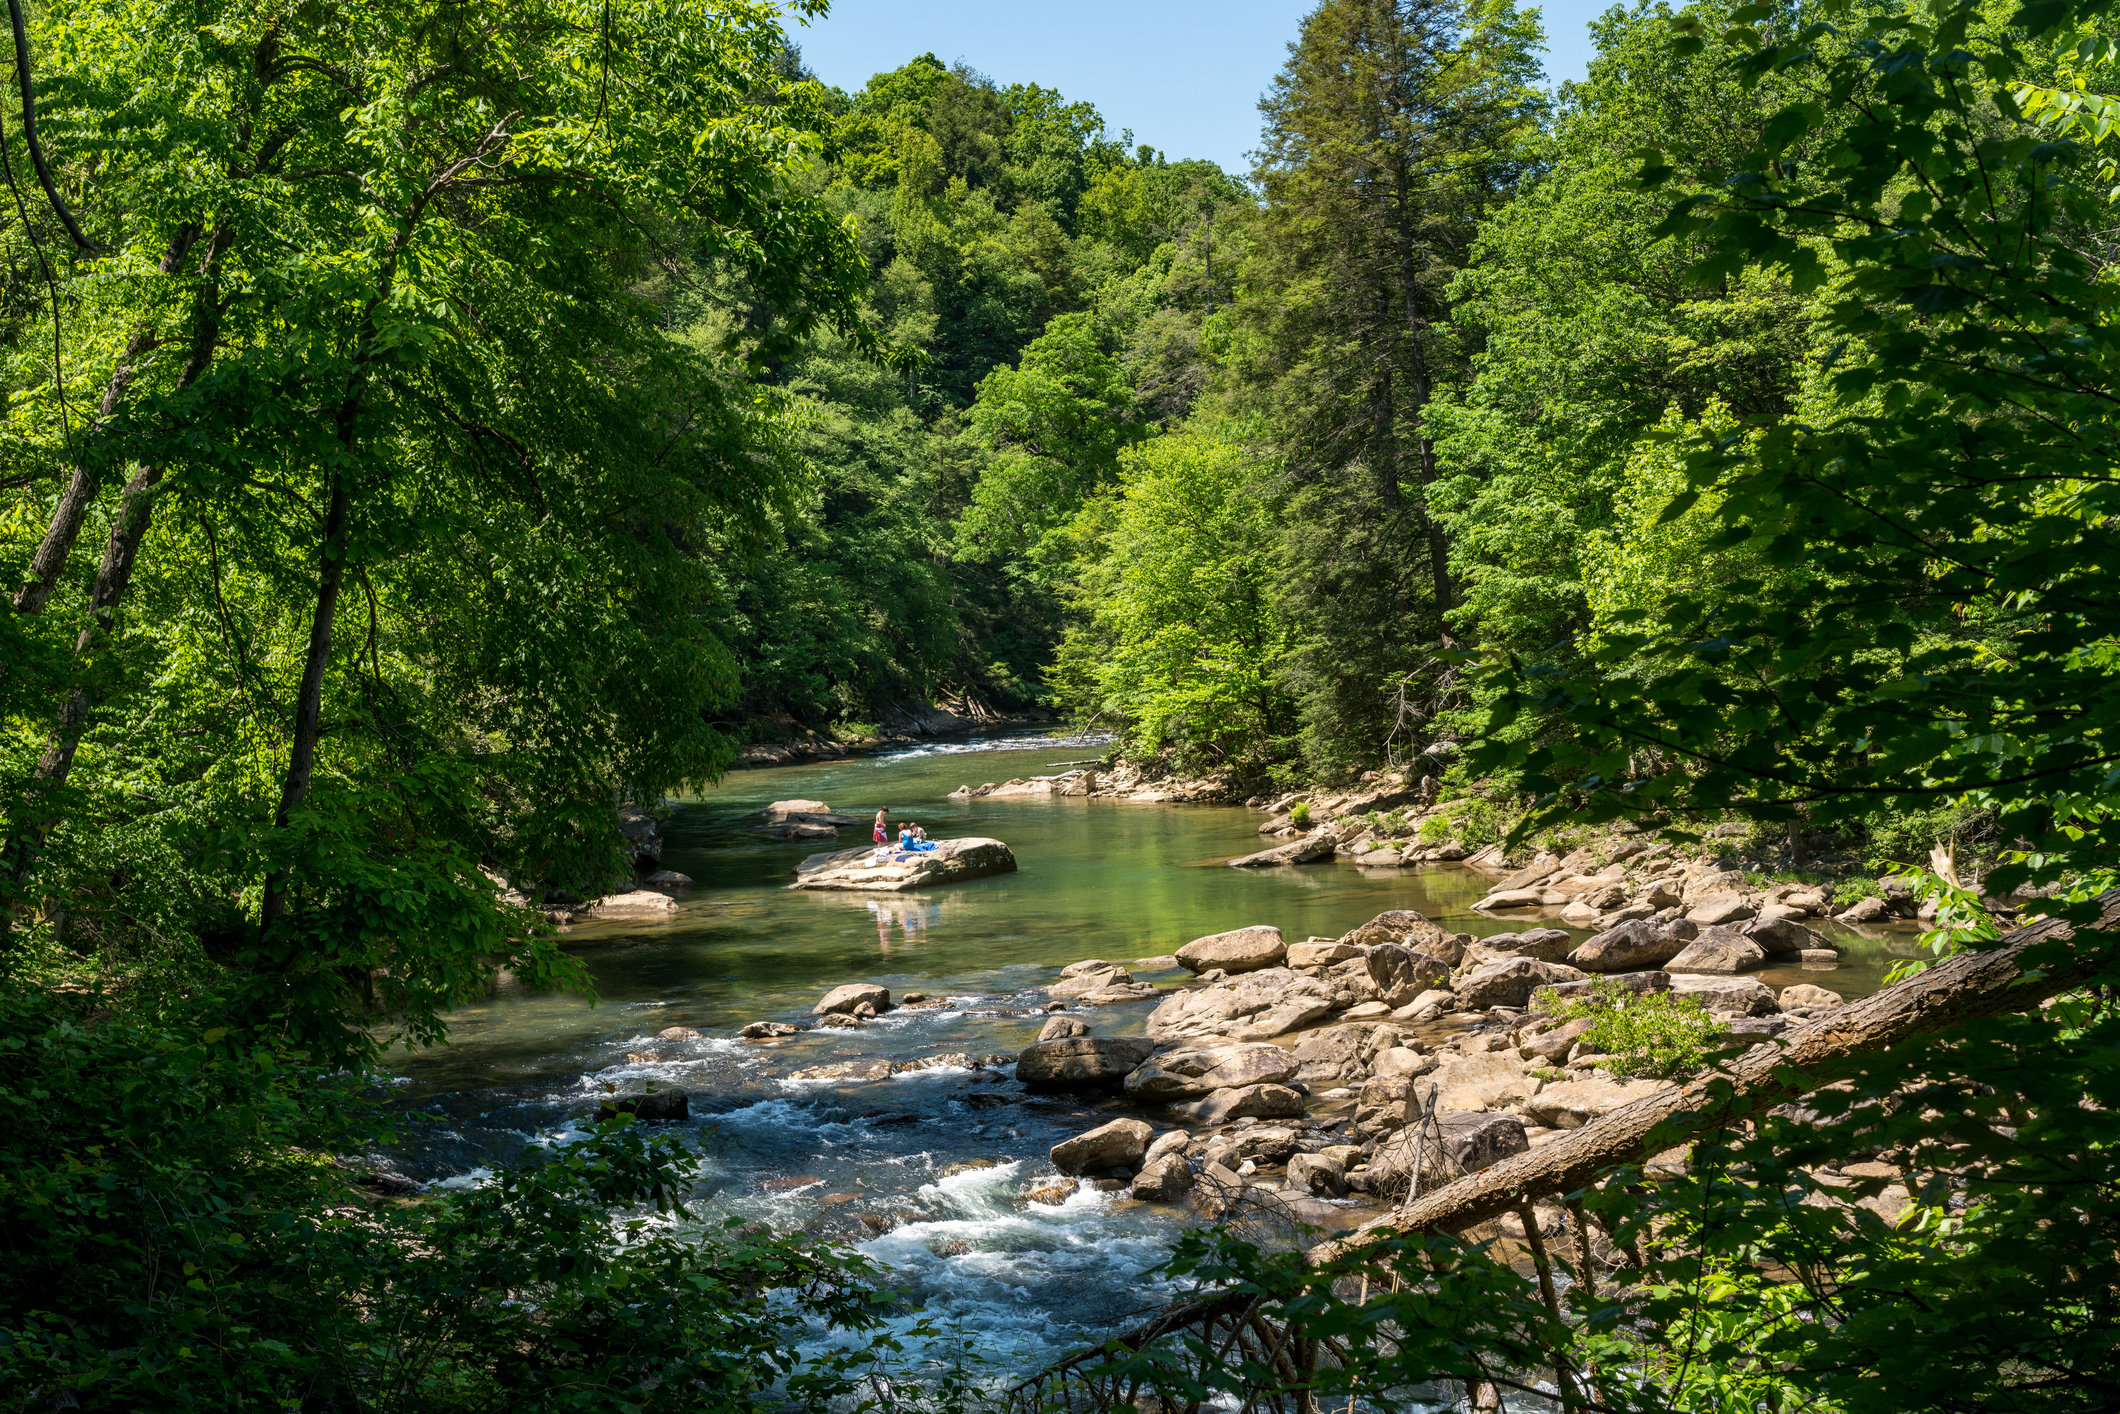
1574, 1103
951, 862
1118, 1145
1720, 950
1727, 996
1511, 983
852, 997
1059, 1028
1399, 974
1259, 1101
1631, 946
1256, 1006
1081, 1062
1190, 1073
1319, 845
1239, 950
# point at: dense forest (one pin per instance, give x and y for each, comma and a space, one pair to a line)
432, 424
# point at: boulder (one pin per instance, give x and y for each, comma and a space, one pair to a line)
1540, 944
1334, 1054
1482, 1082
1118, 1145
1723, 908
682, 1033
1256, 1006
1320, 954
1738, 996
1711, 883
654, 1107
1447, 947
1511, 983
1511, 898
1320, 1175
1190, 1073
1782, 937
1263, 1101
1165, 1178
1397, 925
1059, 1028
1217, 1190
1553, 1046
1401, 974
860, 870
1425, 1007
1574, 1103
668, 879
1474, 1141
1402, 1060
642, 833
806, 812
1171, 1141
852, 995
842, 1020
638, 903
1868, 910
1718, 950
767, 1030
1103, 979
1239, 950
1818, 958
1263, 1144
1319, 844
1805, 997
1381, 1103
1459, 1142
1081, 1062
1632, 945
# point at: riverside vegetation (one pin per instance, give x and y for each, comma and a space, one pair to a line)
430, 425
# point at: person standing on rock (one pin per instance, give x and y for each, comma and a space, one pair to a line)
882, 834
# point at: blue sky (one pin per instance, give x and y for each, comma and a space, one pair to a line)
1185, 75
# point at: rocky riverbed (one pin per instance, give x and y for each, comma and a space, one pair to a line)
912, 1129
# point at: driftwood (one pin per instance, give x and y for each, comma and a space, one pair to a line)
1961, 988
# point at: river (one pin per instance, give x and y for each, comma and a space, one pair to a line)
866, 1163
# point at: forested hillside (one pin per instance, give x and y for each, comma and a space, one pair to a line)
1043, 284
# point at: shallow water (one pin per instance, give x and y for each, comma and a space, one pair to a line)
865, 1162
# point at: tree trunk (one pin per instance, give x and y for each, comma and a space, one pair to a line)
1963, 988
49, 562
309, 705
113, 578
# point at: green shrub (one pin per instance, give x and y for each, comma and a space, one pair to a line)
1652, 1034
1900, 838
177, 1238
1300, 813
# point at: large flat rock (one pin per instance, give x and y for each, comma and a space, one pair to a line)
951, 862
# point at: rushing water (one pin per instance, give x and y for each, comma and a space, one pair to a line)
870, 1162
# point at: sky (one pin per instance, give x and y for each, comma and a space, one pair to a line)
1185, 75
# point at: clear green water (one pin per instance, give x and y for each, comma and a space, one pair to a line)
864, 1162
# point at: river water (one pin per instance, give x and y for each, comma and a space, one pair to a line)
1024, 1275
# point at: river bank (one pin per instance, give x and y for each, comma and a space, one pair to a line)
942, 1173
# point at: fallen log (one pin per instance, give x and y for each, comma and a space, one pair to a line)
1962, 988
